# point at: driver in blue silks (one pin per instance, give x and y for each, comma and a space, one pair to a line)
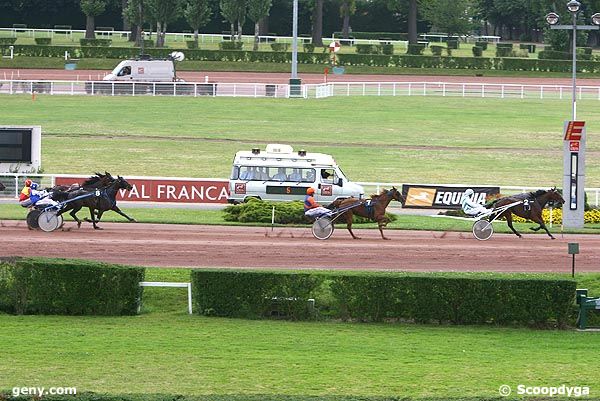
469, 206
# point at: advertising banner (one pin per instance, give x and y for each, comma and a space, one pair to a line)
167, 190
442, 197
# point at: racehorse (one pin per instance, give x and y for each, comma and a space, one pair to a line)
531, 207
373, 208
100, 200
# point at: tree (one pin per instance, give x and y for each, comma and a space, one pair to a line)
347, 9
449, 16
400, 6
229, 11
317, 23
135, 13
257, 10
197, 13
163, 12
92, 8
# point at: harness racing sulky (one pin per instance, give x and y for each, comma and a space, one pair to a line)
98, 193
373, 209
526, 205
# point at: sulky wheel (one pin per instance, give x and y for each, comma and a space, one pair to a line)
483, 230
32, 218
322, 228
49, 220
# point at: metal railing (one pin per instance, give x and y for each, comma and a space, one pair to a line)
120, 88
15, 181
466, 89
448, 89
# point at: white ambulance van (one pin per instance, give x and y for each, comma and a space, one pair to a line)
280, 174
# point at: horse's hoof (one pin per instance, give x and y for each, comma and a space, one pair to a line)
552, 237
98, 228
134, 221
386, 238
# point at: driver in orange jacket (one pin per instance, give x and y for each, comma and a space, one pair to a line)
311, 207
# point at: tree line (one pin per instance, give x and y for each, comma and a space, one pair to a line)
511, 19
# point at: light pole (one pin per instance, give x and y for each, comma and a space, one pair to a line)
295, 82
574, 131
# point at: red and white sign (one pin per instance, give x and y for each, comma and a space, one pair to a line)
140, 70
334, 47
574, 146
326, 190
574, 130
167, 190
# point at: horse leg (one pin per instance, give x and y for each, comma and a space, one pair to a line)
509, 222
540, 221
382, 222
73, 212
349, 216
116, 209
93, 220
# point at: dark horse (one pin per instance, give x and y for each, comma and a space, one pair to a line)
99, 200
373, 208
531, 209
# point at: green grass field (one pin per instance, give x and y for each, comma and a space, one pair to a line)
386, 139
166, 351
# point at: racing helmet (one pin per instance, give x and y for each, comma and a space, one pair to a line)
469, 192
28, 182
310, 191
34, 185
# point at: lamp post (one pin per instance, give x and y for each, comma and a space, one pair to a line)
295, 82
574, 131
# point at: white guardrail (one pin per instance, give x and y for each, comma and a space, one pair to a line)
195, 89
14, 183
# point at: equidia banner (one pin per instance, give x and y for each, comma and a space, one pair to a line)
442, 197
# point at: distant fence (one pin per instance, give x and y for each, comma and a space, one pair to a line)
107, 32
210, 190
116, 88
483, 90
473, 90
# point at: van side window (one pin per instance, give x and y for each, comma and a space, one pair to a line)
281, 175
308, 175
235, 173
125, 71
327, 176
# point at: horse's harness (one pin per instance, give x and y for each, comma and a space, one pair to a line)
371, 203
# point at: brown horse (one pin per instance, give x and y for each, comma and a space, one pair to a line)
531, 207
373, 208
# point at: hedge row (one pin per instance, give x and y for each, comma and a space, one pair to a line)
374, 60
377, 297
374, 35
68, 287
259, 211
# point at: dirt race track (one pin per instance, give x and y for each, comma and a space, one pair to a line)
258, 247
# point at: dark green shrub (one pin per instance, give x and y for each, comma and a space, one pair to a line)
254, 295
436, 50
452, 44
426, 298
504, 52
375, 35
477, 51
585, 50
280, 47
95, 42
191, 44
69, 287
483, 44
504, 45
43, 41
415, 49
231, 45
365, 49
529, 47
7, 41
387, 49
308, 47
554, 55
